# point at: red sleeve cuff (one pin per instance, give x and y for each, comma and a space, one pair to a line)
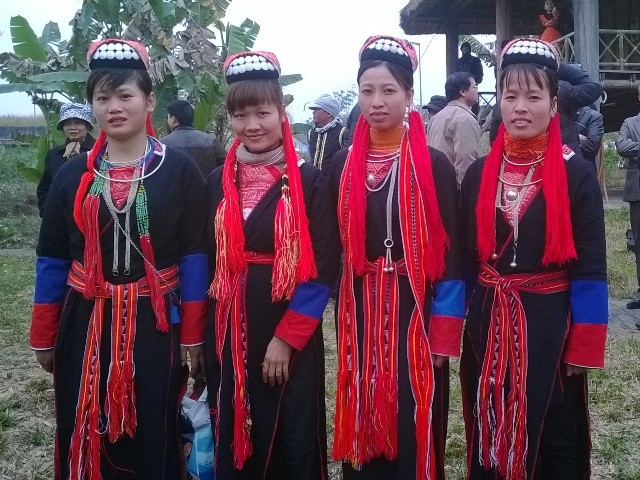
44, 325
585, 345
192, 320
296, 328
445, 335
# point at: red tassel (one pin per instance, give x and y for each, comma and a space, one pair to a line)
287, 250
352, 199
150, 130
559, 246
228, 232
438, 241
306, 265
92, 251
153, 279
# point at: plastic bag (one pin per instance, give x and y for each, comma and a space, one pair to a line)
195, 409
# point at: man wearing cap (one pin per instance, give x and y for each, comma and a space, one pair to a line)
76, 122
436, 103
455, 130
203, 147
327, 135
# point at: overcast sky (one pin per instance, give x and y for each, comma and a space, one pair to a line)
321, 42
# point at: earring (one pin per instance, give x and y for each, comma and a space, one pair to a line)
405, 119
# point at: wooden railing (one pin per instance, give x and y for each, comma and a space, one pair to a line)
619, 49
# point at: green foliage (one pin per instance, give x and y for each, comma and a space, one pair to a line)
25, 42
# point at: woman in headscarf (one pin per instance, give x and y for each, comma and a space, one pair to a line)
121, 278
537, 316
274, 249
401, 301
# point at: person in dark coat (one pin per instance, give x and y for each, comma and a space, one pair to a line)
538, 303
274, 249
121, 279
590, 126
76, 121
628, 146
326, 136
203, 147
401, 301
352, 120
469, 63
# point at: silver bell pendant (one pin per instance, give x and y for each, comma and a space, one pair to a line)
494, 256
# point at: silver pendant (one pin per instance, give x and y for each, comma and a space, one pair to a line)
371, 180
513, 264
511, 195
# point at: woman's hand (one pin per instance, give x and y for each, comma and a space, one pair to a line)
438, 360
196, 355
574, 370
45, 359
275, 367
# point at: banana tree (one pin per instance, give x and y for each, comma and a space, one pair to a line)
187, 43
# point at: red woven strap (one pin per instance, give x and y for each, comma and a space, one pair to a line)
503, 425
168, 281
231, 312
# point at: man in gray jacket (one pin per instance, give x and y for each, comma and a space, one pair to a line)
455, 130
628, 146
204, 148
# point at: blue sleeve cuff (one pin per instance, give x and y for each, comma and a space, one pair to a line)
51, 279
310, 299
448, 300
194, 277
589, 302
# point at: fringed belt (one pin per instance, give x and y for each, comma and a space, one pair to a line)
234, 310
503, 428
366, 422
120, 411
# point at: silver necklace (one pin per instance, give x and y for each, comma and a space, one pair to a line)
514, 199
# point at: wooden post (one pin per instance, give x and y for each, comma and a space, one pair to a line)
503, 32
587, 40
452, 45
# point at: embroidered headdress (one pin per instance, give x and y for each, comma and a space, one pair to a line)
366, 411
293, 259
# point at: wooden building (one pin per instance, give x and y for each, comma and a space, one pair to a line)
603, 36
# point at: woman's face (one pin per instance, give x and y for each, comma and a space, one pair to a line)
75, 130
122, 112
383, 101
526, 110
259, 127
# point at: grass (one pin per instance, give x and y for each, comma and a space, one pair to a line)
21, 121
621, 266
19, 221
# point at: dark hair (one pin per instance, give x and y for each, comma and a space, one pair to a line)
403, 75
525, 73
252, 93
465, 44
112, 78
456, 83
182, 111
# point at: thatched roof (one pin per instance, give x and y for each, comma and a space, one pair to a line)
473, 16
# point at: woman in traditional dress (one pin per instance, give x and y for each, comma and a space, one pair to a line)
274, 246
537, 316
121, 275
401, 302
